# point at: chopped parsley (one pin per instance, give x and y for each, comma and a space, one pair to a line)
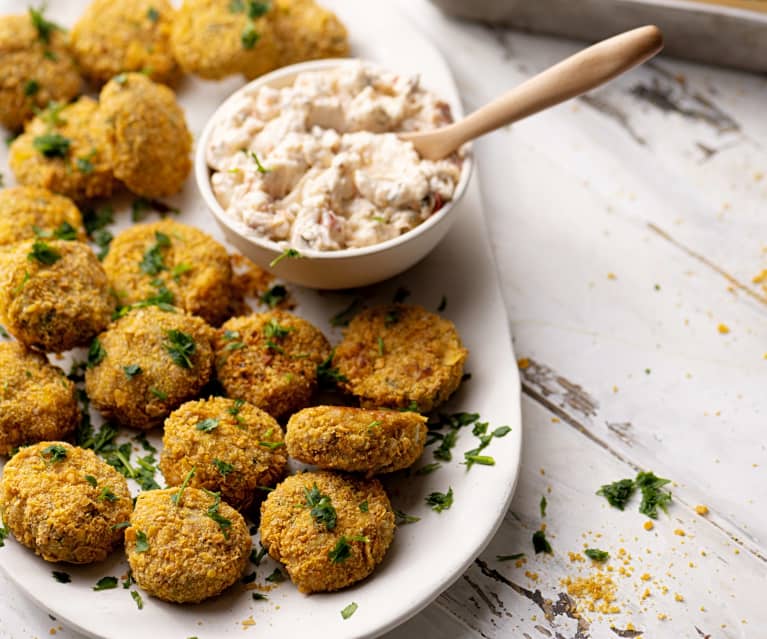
403, 518
391, 318
342, 318
84, 165
381, 348
349, 610
480, 430
249, 578
54, 453
223, 523
106, 494
137, 598
249, 36
271, 445
223, 467
652, 495
542, 506
31, 87
61, 577
276, 577
400, 295
102, 238
447, 443
131, 370
162, 395
259, 167
96, 353
363, 506
64, 231
45, 28
207, 425
274, 296
597, 555
343, 550
92, 480
152, 262
178, 270
4, 333
153, 14
514, 557
440, 501
52, 145
180, 346
95, 219
176, 497
442, 304
618, 493
327, 375
44, 253
540, 543
454, 422
257, 556
287, 253
322, 510
259, 597
428, 468
106, 583
142, 544
4, 532
273, 329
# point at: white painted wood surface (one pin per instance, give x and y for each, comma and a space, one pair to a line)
627, 226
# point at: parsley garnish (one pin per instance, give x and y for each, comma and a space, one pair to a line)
540, 543
249, 36
64, 231
403, 518
327, 375
52, 145
31, 87
106, 583
618, 493
600, 556
380, 346
257, 556
95, 219
131, 370
223, 467
349, 610
652, 495
137, 598
102, 238
272, 445
287, 253
54, 453
84, 165
236, 407
276, 577
275, 330
480, 430
207, 425
153, 14
4, 532
274, 296
542, 506
96, 353
142, 544
259, 597
44, 253
342, 550
363, 505
4, 333
158, 393
428, 468
61, 577
152, 262
260, 167
180, 347
44, 27
223, 523
391, 318
322, 509
513, 557
440, 501
107, 495
342, 318
92, 480
176, 497
178, 270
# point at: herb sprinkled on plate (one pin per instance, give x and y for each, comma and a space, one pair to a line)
540, 543
62, 577
440, 501
106, 583
288, 253
597, 555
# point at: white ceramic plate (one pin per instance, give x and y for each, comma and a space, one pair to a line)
427, 556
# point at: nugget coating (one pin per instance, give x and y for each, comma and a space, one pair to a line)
146, 397
84, 171
278, 373
292, 536
114, 36
209, 40
147, 133
54, 307
400, 355
189, 557
37, 401
307, 31
32, 72
356, 439
246, 442
52, 508
23, 209
196, 269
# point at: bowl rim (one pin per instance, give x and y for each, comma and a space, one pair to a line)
203, 172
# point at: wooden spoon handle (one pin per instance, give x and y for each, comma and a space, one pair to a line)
575, 75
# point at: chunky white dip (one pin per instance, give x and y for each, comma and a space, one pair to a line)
317, 165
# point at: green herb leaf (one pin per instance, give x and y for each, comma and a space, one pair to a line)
84, 165
52, 145
152, 262
343, 550
287, 253
96, 219
403, 518
322, 509
652, 495
207, 425
137, 598
4, 532
31, 87
349, 610
276, 577
274, 330
65, 231
61, 577
448, 442
249, 36
428, 468
223, 467
44, 253
153, 14
380, 346
45, 28
180, 346
328, 376
107, 495
440, 501
259, 167
274, 296
272, 445
92, 480
542, 506
618, 493
162, 395
131, 370
178, 270
513, 557
54, 453
600, 556
223, 523
257, 556
96, 353
257, 9
142, 544
176, 497
4, 333
259, 597
472, 458
106, 583
540, 543
342, 318
363, 505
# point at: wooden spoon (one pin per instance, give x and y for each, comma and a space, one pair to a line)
573, 76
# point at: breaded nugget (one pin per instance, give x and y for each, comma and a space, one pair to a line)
400, 356
64, 502
217, 38
115, 36
185, 546
329, 530
356, 439
180, 263
234, 447
36, 67
147, 134
307, 31
28, 211
37, 401
270, 360
54, 294
65, 150
147, 364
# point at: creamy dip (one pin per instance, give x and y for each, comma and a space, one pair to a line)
317, 164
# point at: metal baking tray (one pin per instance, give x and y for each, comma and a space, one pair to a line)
734, 35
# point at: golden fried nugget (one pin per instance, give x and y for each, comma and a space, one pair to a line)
54, 294
147, 364
37, 401
146, 131
234, 447
64, 502
217, 38
400, 356
341, 543
188, 267
65, 150
36, 67
185, 550
270, 360
115, 36
356, 439
28, 211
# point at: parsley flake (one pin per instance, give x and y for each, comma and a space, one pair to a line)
343, 550
92, 480
96, 353
131, 370
142, 544
440, 501
223, 467
176, 497
259, 597
349, 610
597, 555
52, 145
180, 346
152, 262
328, 376
153, 14
106, 583
542, 506
61, 577
207, 425
44, 253
106, 494
363, 505
287, 253
403, 518
322, 509
513, 557
45, 28
54, 453
342, 318
540, 543
276, 577
259, 167
249, 36
31, 87
162, 395
428, 468
618, 493
137, 598
274, 296
223, 523
652, 495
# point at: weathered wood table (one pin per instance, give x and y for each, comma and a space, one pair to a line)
629, 229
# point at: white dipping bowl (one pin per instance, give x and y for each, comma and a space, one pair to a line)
345, 268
